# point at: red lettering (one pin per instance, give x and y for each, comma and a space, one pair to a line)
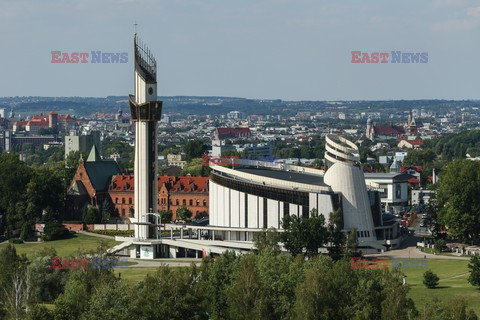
375, 57
74, 264
355, 56
55, 55
205, 159
373, 264
65, 58
214, 161
225, 161
235, 161
365, 58
83, 263
356, 263
75, 57
383, 263
384, 56
65, 264
56, 263
84, 55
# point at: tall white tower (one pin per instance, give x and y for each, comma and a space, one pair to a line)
146, 112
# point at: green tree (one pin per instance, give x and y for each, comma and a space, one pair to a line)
292, 236
166, 215
170, 294
440, 245
47, 283
431, 216
110, 301
196, 168
304, 234
323, 293
183, 213
45, 190
55, 231
194, 149
352, 241
15, 286
279, 275
72, 303
39, 312
91, 215
267, 240
336, 237
14, 177
448, 309
419, 158
430, 279
246, 298
474, 266
107, 206
219, 278
458, 199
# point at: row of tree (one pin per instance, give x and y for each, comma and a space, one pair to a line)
260, 285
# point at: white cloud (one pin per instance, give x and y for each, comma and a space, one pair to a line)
454, 25
474, 12
449, 3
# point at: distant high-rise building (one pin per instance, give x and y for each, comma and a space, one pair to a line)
235, 115
82, 143
53, 120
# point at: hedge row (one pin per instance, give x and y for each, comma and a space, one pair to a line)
113, 232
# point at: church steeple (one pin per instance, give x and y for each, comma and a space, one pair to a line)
94, 155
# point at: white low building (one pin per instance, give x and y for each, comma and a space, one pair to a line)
393, 188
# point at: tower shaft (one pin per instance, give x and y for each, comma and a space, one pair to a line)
146, 112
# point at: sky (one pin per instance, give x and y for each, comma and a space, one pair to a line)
262, 49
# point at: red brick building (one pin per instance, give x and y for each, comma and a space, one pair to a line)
173, 192
90, 184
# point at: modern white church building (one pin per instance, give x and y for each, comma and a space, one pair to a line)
250, 199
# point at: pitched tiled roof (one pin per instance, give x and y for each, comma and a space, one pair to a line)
100, 171
416, 168
389, 130
173, 184
233, 132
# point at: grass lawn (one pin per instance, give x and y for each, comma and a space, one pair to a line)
64, 247
134, 275
453, 282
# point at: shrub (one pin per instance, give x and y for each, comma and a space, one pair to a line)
474, 267
92, 215
55, 231
15, 240
440, 245
430, 279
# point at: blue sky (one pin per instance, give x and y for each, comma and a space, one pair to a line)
285, 49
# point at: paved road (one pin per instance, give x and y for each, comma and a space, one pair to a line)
409, 250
